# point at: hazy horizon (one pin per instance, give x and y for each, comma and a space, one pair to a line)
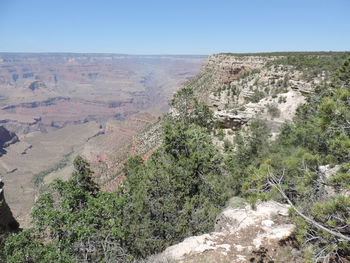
165, 55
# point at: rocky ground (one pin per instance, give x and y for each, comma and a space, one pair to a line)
242, 234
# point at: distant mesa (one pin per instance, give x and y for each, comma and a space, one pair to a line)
36, 104
35, 85
6, 138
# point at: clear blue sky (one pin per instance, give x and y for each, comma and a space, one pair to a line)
174, 26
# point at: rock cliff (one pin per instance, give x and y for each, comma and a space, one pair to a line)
7, 222
241, 88
6, 138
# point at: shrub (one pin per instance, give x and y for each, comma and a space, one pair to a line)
282, 99
273, 110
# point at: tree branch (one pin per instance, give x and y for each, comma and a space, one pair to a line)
275, 183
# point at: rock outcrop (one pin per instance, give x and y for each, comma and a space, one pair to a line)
241, 233
220, 70
6, 138
7, 222
230, 120
241, 88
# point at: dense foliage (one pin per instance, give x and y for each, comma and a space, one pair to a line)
175, 194
3, 237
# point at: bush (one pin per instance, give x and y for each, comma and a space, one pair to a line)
282, 99
257, 96
189, 110
178, 191
273, 110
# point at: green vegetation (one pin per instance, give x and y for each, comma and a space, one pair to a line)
311, 64
282, 99
250, 146
3, 237
257, 96
188, 110
291, 172
307, 61
180, 190
174, 194
177, 191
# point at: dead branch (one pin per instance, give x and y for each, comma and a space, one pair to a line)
274, 182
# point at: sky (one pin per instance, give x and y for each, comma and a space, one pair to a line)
174, 26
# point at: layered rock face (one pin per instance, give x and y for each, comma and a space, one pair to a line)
220, 70
65, 89
241, 88
7, 221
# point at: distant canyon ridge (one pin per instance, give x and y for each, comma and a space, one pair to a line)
54, 106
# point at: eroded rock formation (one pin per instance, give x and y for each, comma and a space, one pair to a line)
241, 88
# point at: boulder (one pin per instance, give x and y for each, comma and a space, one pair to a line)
228, 120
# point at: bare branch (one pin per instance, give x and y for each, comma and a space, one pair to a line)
276, 183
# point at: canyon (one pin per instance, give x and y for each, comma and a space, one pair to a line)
55, 106
249, 100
